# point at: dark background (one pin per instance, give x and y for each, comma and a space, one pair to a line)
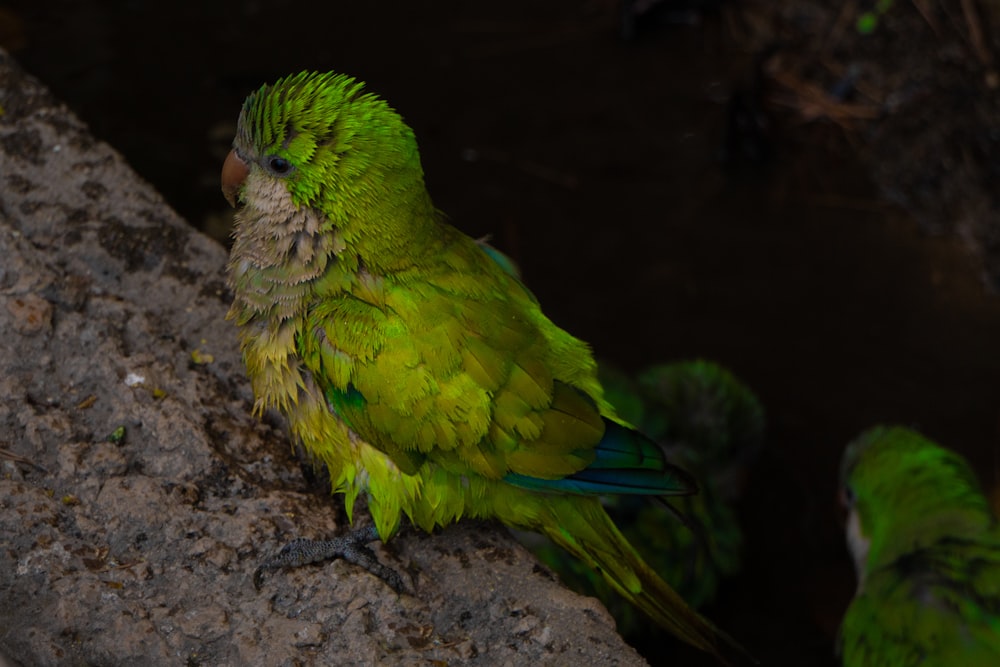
606, 168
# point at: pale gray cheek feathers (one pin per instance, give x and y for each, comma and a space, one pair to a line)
858, 545
269, 200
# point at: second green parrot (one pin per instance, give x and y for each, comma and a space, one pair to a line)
926, 547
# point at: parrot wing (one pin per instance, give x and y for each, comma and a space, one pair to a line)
459, 366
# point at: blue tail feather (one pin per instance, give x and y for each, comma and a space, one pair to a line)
625, 462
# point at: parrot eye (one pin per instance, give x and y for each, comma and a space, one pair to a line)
279, 166
847, 497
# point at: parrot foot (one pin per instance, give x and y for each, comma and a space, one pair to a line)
350, 547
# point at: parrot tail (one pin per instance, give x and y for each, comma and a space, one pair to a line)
581, 526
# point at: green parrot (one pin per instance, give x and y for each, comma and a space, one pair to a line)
926, 547
410, 359
708, 421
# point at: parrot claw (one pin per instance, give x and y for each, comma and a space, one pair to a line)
351, 547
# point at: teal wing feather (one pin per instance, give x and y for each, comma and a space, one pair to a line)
503, 260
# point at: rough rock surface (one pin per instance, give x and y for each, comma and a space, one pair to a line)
137, 546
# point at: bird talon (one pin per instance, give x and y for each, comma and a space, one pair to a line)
350, 547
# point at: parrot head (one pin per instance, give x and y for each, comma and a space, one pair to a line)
326, 141
903, 492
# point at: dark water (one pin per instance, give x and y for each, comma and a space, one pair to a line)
597, 167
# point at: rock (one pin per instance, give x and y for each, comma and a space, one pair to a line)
137, 493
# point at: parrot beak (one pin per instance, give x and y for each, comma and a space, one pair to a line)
234, 172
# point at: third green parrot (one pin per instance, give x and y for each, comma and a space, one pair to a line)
409, 359
926, 547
